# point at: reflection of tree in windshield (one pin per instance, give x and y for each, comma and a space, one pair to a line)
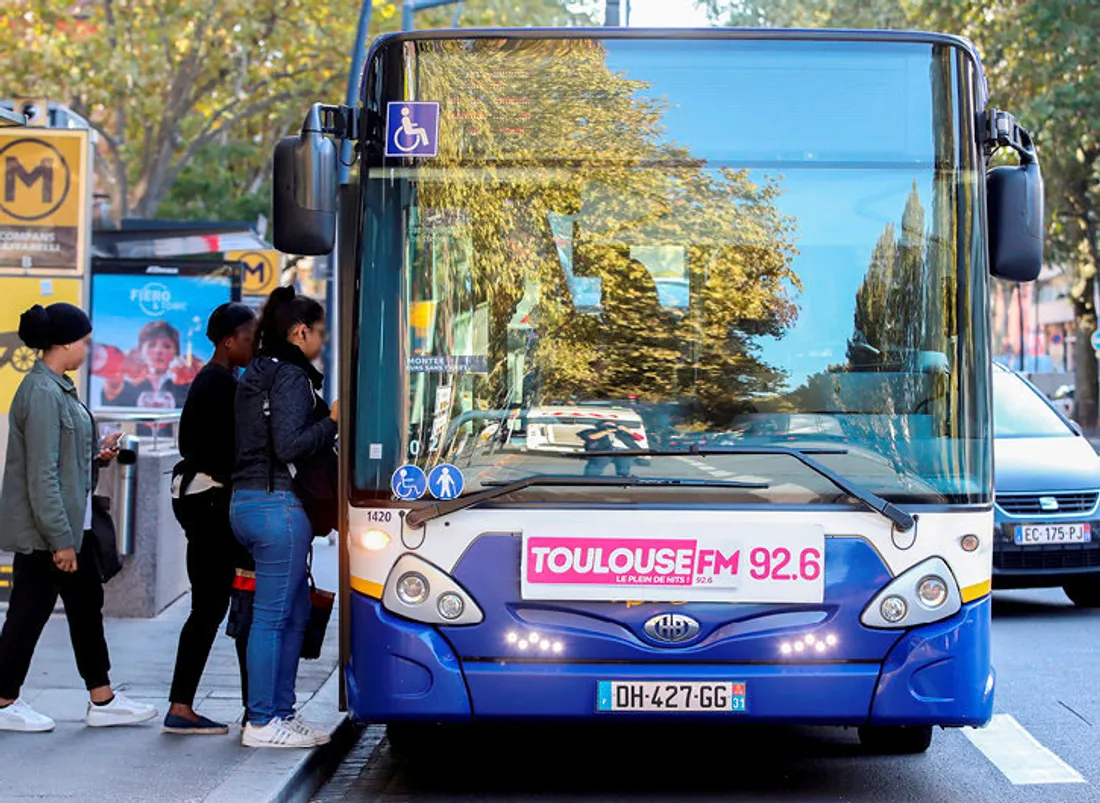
545, 128
892, 391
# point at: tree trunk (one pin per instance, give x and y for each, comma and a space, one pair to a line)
1085, 373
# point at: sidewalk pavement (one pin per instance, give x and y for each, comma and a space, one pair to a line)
141, 763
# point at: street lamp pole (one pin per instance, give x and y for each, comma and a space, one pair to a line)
412, 6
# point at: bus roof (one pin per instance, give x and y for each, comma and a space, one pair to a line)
749, 34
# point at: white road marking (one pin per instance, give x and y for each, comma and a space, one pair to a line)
1019, 755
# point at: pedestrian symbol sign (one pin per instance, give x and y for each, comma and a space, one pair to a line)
408, 483
446, 482
412, 129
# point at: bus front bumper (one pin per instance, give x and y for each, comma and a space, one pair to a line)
939, 674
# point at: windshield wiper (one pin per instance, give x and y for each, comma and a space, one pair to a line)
869, 498
416, 518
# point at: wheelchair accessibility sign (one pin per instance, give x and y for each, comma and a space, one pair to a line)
408, 483
412, 129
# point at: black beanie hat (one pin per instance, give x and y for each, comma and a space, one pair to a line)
59, 324
226, 319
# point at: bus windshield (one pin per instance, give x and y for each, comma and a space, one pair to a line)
664, 244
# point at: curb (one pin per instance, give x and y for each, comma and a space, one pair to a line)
292, 776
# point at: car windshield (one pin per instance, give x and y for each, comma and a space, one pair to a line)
1020, 412
613, 251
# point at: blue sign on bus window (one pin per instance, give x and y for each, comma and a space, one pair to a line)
446, 481
409, 482
412, 129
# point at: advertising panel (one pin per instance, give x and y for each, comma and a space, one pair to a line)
150, 331
16, 296
43, 200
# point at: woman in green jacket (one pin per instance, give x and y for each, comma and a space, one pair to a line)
46, 502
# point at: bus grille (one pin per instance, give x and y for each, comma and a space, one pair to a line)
1047, 557
1029, 504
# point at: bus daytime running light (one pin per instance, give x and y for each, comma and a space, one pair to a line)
808, 642
533, 641
371, 540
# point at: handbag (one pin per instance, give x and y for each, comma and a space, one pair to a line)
104, 542
243, 594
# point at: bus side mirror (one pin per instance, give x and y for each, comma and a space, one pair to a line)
1015, 196
304, 194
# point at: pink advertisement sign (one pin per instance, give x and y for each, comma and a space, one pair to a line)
780, 567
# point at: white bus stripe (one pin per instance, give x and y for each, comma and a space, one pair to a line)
1019, 755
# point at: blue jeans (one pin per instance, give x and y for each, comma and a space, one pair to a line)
275, 529
596, 465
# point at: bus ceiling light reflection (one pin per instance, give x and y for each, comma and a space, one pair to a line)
809, 642
533, 641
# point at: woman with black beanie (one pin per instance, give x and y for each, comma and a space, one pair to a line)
201, 490
49, 476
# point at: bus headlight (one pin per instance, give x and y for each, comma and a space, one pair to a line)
893, 609
450, 606
932, 591
924, 594
421, 591
412, 588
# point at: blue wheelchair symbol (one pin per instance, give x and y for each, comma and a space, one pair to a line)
446, 481
412, 129
408, 483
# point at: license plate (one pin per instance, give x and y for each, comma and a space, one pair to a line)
1027, 534
669, 697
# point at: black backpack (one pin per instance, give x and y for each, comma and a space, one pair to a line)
316, 478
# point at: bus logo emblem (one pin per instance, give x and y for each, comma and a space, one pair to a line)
672, 628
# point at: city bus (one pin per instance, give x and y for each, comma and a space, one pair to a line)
826, 203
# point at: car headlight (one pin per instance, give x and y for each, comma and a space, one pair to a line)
421, 591
923, 594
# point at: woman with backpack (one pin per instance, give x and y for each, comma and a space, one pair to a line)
282, 425
201, 490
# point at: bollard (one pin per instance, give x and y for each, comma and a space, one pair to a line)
126, 497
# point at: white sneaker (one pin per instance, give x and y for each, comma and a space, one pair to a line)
22, 718
276, 733
120, 711
319, 736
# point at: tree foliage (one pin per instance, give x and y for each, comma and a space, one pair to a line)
554, 137
202, 85
1042, 60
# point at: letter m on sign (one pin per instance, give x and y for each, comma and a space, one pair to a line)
255, 269
14, 171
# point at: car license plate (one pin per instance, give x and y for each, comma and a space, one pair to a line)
670, 697
1027, 534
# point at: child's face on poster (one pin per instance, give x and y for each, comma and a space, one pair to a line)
159, 353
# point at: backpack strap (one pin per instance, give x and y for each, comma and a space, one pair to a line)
270, 443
